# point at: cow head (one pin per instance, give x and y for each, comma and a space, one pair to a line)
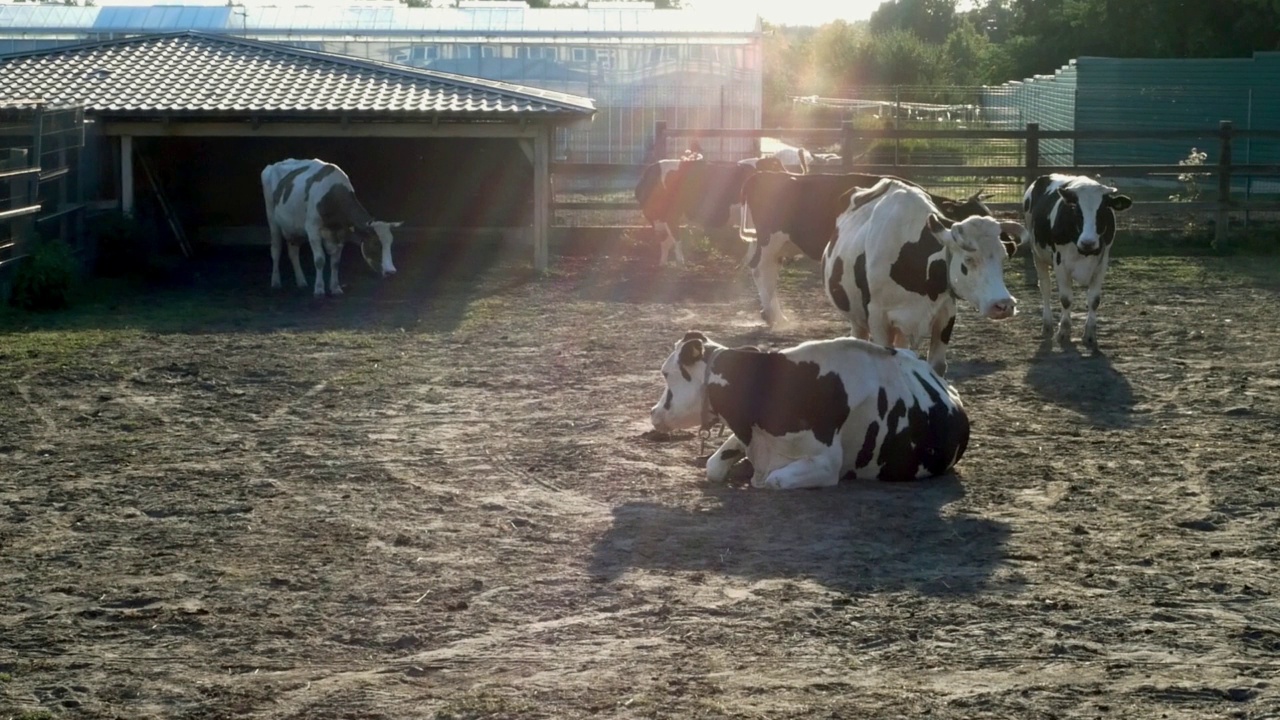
960, 209
685, 372
764, 164
1087, 201
977, 248
375, 245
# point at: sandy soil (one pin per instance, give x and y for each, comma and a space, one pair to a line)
436, 499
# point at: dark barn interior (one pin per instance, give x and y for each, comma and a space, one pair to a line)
214, 183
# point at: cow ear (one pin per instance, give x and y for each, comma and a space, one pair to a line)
694, 335
690, 352
935, 224
947, 208
1119, 203
1012, 235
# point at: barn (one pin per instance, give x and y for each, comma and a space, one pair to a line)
688, 67
191, 118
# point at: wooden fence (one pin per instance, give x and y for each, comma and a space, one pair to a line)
849, 137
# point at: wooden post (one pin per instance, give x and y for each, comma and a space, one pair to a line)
659, 140
541, 196
1224, 185
126, 174
846, 145
1033, 152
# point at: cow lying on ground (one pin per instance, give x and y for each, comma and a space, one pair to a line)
705, 192
811, 414
803, 210
1072, 223
313, 200
898, 265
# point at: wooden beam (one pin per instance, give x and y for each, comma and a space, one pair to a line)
541, 197
332, 129
126, 174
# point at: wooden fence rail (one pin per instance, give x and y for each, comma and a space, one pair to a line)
849, 136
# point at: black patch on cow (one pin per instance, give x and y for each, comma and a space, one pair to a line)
882, 403
666, 403
915, 272
733, 454
694, 335
768, 390
964, 269
838, 295
868, 449
1057, 258
1066, 302
860, 279
931, 437
340, 209
283, 190
947, 330
1094, 302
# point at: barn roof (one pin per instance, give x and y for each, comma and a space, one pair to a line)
200, 74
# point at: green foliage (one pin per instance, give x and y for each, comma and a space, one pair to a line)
44, 279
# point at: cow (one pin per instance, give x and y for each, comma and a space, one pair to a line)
804, 209
898, 265
794, 159
1071, 220
704, 192
313, 200
811, 414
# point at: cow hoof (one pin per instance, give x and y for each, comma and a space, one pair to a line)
1047, 328
1064, 336
336, 291
275, 284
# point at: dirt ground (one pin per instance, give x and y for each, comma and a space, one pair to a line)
436, 498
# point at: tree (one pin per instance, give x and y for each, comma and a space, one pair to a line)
929, 20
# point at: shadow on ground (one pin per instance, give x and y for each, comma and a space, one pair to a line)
859, 537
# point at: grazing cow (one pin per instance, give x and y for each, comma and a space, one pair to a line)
898, 265
811, 414
804, 208
313, 200
1072, 222
707, 193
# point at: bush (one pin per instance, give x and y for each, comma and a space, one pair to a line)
44, 278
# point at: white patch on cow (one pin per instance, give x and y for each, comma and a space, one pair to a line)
799, 459
878, 226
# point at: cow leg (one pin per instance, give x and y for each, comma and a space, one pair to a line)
1094, 297
334, 258
812, 472
295, 256
879, 329
765, 274
939, 339
1063, 276
721, 463
317, 253
277, 240
1043, 262
667, 239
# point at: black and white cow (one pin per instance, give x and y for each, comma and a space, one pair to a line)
809, 415
705, 192
802, 210
313, 200
1072, 223
897, 267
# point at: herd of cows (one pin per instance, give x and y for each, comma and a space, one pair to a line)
895, 260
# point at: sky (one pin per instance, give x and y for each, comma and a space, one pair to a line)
796, 12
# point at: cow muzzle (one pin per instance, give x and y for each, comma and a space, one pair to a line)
1088, 246
1002, 309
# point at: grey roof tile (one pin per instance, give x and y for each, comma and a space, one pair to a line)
194, 73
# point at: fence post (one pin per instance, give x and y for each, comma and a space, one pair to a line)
1033, 152
846, 145
1224, 185
659, 140
37, 150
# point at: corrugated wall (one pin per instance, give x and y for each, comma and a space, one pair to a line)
1049, 100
